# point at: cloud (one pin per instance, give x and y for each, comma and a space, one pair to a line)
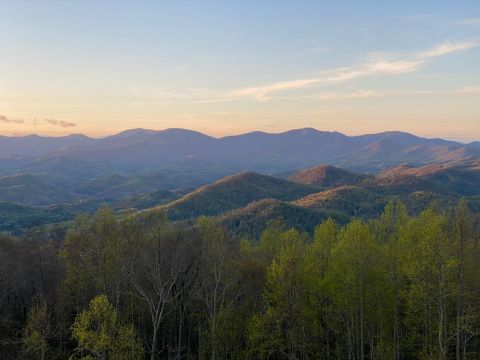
366, 94
61, 123
5, 119
35, 122
260, 92
447, 48
377, 64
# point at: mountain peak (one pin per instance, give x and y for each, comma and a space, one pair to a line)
137, 131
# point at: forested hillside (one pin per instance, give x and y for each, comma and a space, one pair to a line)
113, 261
134, 287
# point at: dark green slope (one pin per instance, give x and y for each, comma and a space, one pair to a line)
353, 201
14, 218
251, 220
234, 192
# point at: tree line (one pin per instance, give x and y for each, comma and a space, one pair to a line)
129, 287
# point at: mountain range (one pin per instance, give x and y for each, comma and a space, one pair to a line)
243, 181
247, 201
140, 150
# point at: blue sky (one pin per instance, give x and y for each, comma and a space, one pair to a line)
226, 67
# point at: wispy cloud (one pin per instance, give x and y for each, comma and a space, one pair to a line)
366, 94
5, 119
35, 122
260, 92
377, 64
386, 67
61, 123
447, 48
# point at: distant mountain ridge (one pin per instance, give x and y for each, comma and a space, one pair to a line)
140, 149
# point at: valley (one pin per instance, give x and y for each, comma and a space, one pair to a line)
51, 181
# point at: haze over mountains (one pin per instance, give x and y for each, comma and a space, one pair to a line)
139, 149
242, 180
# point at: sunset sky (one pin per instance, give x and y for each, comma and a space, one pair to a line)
228, 67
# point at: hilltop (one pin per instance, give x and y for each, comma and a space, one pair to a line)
327, 176
234, 192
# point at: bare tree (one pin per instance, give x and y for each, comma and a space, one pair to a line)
159, 267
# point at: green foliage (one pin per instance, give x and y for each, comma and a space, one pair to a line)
36, 332
281, 327
397, 286
234, 192
100, 335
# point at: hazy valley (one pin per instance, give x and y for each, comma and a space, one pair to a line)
49, 180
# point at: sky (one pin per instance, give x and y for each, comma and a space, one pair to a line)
228, 67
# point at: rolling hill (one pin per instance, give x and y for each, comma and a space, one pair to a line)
141, 169
234, 192
454, 180
246, 202
352, 201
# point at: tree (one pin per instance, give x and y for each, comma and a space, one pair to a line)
100, 335
218, 289
93, 256
322, 313
281, 330
158, 272
388, 231
36, 331
430, 270
357, 286
466, 279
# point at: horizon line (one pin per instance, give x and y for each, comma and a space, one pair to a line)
237, 134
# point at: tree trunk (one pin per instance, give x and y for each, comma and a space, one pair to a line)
154, 342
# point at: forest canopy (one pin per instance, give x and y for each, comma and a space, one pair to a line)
126, 287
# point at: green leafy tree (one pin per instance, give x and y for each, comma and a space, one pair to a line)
36, 332
319, 307
357, 286
281, 330
467, 279
100, 335
430, 268
388, 231
218, 288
